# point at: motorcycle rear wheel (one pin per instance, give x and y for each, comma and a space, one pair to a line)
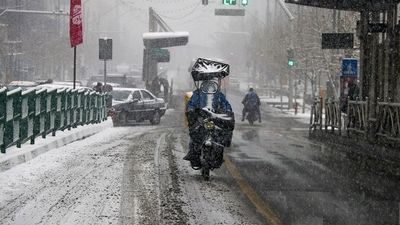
205, 172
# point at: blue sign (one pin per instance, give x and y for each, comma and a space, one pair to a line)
349, 67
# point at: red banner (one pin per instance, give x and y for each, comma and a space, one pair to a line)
75, 23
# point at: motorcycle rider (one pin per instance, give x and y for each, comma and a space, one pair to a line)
215, 103
251, 101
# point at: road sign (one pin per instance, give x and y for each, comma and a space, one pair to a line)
105, 49
165, 39
337, 41
229, 2
229, 12
160, 55
349, 67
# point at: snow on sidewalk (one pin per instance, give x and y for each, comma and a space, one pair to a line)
79, 183
277, 112
15, 156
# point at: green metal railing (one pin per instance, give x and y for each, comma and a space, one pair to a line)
26, 115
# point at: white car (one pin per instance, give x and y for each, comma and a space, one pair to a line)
136, 105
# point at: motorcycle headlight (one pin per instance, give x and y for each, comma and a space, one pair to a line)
209, 125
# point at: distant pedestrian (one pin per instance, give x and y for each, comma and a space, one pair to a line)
98, 87
353, 91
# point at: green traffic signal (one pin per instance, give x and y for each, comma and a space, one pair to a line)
245, 2
229, 2
290, 62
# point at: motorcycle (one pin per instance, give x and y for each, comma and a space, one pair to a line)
210, 132
252, 115
213, 138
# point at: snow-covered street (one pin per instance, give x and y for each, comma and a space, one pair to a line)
135, 174
125, 175
76, 184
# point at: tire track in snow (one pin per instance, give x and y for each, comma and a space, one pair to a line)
52, 196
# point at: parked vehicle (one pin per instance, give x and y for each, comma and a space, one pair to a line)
130, 105
117, 79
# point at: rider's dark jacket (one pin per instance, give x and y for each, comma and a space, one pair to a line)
251, 100
199, 101
220, 105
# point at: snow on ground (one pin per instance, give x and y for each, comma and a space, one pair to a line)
213, 202
125, 175
76, 184
277, 112
60, 135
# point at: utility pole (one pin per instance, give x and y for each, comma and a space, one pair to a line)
291, 46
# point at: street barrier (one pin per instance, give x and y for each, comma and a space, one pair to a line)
13, 116
389, 120
3, 96
26, 115
316, 115
356, 119
333, 116
357, 112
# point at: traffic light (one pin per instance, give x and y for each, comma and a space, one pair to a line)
229, 2
245, 2
290, 63
290, 54
205, 2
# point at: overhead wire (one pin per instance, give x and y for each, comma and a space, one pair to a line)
183, 16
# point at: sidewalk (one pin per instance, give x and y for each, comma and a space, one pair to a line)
15, 156
277, 112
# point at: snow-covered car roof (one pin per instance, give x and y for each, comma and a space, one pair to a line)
22, 83
66, 83
108, 83
60, 86
127, 89
133, 89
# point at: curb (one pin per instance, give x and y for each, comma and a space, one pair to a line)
28, 152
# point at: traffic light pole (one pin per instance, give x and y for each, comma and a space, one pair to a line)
290, 71
105, 72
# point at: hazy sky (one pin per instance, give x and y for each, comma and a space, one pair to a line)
126, 20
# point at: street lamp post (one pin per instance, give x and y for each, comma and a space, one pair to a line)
290, 72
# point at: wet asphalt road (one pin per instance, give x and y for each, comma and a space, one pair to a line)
305, 182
